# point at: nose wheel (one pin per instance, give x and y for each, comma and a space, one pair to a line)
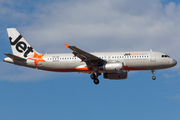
153, 77
95, 78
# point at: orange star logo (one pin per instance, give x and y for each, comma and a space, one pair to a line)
37, 58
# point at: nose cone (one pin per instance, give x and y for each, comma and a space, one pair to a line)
174, 62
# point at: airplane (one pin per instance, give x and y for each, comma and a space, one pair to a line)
113, 65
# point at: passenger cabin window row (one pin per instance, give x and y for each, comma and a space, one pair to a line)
146, 56
57, 58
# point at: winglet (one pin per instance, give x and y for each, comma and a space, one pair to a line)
66, 45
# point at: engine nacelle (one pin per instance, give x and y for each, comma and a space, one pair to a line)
115, 76
110, 67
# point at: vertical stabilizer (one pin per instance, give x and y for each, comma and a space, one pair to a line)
20, 47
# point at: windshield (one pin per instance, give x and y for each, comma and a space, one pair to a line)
166, 56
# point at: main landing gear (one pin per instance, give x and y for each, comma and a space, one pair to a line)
153, 77
95, 78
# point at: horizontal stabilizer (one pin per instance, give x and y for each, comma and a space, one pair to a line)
14, 57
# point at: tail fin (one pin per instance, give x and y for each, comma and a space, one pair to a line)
20, 47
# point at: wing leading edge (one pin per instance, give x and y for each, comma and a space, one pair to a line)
90, 59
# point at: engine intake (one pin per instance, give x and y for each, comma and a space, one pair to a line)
112, 67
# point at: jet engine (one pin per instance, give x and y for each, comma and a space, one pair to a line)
115, 76
110, 67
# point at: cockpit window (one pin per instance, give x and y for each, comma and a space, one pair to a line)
166, 56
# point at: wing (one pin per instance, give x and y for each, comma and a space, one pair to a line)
89, 59
14, 57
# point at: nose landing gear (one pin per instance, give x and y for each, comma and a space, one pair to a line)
153, 77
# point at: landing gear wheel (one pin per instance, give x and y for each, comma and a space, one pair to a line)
93, 76
153, 77
96, 81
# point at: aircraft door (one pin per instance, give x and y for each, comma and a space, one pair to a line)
153, 57
107, 57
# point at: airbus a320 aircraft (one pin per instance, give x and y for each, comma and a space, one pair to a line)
113, 65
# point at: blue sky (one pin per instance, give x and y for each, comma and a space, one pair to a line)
94, 26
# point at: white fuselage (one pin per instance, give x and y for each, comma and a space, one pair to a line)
144, 60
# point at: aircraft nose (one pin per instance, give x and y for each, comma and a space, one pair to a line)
174, 62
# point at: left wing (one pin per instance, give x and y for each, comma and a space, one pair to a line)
14, 57
89, 59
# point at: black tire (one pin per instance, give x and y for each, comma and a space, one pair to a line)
154, 77
96, 81
93, 76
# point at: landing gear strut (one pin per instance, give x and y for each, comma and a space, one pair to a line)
95, 78
153, 77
